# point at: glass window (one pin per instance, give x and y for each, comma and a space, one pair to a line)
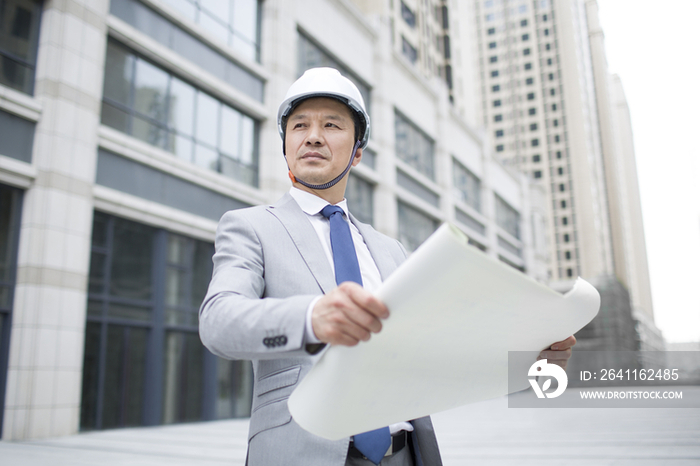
414, 226
498, 117
526, 51
535, 158
235, 22
529, 81
10, 208
183, 378
311, 55
493, 59
535, 142
16, 137
495, 88
155, 106
528, 66
531, 96
499, 133
369, 158
413, 146
497, 103
416, 188
507, 217
537, 174
181, 107
467, 185
235, 388
124, 376
409, 50
19, 39
531, 111
408, 15
150, 91
130, 275
494, 73
492, 45
492, 31
119, 72
143, 360
206, 125
360, 196
533, 126
525, 37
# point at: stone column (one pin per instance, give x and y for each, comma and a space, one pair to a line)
47, 340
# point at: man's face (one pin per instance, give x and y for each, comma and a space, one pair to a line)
319, 140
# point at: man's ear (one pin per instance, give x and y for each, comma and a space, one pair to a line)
358, 157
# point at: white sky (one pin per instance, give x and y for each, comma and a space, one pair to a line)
654, 49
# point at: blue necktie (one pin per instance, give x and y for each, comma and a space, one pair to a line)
373, 444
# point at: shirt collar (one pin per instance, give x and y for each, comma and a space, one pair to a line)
312, 204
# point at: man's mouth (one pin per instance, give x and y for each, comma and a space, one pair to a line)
312, 156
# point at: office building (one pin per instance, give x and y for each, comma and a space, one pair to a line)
128, 127
554, 113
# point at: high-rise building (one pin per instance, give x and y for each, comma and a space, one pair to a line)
554, 113
128, 127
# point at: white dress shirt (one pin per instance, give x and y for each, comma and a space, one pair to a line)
371, 278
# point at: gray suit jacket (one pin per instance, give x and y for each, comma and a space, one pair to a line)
268, 267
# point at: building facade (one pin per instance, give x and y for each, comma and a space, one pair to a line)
128, 127
554, 112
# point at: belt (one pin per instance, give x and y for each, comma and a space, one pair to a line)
398, 441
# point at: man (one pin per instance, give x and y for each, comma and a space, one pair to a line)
286, 283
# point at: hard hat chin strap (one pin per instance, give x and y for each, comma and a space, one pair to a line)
331, 183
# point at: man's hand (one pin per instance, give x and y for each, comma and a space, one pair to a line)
347, 315
559, 353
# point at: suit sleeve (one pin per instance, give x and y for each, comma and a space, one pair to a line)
235, 320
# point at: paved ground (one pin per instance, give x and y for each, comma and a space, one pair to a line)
487, 433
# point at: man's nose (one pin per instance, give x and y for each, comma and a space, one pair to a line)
314, 135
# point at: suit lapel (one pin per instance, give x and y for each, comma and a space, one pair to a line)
304, 236
385, 263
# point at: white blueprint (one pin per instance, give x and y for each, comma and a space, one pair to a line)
455, 314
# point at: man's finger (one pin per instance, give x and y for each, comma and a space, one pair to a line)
364, 319
365, 300
555, 355
564, 344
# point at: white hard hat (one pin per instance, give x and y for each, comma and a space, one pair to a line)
325, 82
